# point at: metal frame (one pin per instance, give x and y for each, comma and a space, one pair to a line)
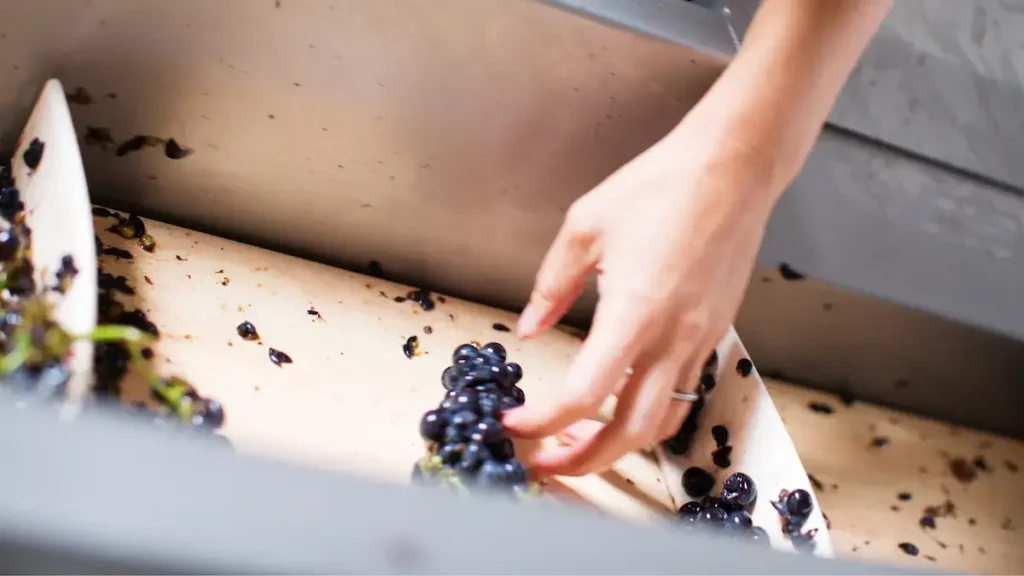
110, 494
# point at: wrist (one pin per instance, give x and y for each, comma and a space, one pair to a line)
746, 165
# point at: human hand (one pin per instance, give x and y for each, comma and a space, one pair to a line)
672, 236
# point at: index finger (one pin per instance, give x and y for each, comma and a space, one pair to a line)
601, 364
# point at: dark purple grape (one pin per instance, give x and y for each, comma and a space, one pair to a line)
689, 509
490, 405
720, 434
517, 395
467, 400
487, 431
476, 376
432, 426
515, 472
278, 357
739, 489
739, 521
513, 373
450, 378
707, 383
495, 350
464, 354
760, 535
450, 453
209, 413
454, 435
711, 517
799, 503
744, 367
717, 502
449, 400
503, 449
492, 474
463, 420
33, 155
697, 482
470, 460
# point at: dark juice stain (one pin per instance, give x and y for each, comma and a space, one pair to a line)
80, 97
498, 326
133, 144
99, 136
108, 281
962, 470
879, 442
908, 548
117, 252
821, 407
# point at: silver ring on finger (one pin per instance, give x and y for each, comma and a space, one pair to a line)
685, 396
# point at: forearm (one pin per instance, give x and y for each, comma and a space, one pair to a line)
771, 101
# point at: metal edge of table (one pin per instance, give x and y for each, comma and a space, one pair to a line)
108, 495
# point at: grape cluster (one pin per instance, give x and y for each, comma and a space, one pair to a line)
467, 445
729, 511
175, 401
794, 508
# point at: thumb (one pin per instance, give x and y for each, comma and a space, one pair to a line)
561, 278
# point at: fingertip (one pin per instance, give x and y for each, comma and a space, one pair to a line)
527, 326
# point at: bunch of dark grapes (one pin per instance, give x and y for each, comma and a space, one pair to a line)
176, 401
681, 441
729, 511
466, 444
33, 347
794, 508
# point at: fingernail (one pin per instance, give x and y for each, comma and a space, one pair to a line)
528, 321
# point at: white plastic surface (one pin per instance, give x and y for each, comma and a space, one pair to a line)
761, 445
58, 212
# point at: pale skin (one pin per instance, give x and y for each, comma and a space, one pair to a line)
673, 234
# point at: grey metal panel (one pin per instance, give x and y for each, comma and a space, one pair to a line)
874, 220
124, 495
945, 80
857, 346
444, 138
886, 224
698, 25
